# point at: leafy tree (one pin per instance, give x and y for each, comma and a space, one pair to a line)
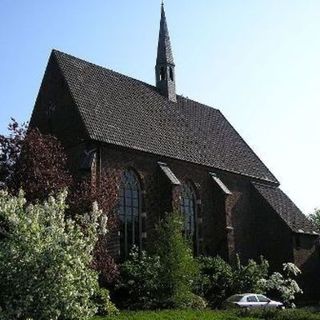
163, 277
45, 260
178, 267
215, 280
315, 218
105, 193
41, 169
283, 284
37, 163
10, 149
218, 280
139, 283
32, 161
246, 277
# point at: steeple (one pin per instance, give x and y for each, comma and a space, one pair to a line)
165, 67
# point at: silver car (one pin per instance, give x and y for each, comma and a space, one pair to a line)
250, 301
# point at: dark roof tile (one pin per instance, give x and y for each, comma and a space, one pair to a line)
123, 111
286, 209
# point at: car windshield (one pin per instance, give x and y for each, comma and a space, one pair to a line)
262, 298
235, 298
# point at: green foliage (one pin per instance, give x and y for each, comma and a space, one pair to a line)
284, 285
178, 267
315, 218
218, 280
273, 314
215, 281
45, 259
164, 278
138, 284
246, 277
176, 315
266, 314
103, 303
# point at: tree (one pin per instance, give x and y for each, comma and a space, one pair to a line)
178, 267
10, 149
284, 285
33, 162
37, 163
315, 218
105, 193
45, 260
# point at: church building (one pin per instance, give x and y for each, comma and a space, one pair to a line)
173, 154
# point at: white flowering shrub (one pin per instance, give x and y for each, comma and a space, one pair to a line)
45, 260
287, 287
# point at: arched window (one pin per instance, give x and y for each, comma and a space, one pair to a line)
129, 212
188, 209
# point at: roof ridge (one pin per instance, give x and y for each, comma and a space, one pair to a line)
285, 200
181, 96
104, 68
122, 110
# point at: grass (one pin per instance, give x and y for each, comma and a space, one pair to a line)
297, 314
175, 315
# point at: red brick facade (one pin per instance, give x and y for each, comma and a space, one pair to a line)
241, 223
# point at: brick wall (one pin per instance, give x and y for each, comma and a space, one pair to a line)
240, 223
273, 236
216, 211
54, 111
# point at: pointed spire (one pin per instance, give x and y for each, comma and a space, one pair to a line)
165, 67
165, 55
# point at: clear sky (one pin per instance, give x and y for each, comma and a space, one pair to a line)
257, 61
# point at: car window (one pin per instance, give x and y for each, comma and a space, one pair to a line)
263, 298
252, 299
235, 298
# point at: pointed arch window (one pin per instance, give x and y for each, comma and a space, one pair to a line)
188, 209
129, 212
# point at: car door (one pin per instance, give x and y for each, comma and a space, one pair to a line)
253, 302
265, 302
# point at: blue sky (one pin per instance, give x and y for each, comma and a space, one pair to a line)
257, 61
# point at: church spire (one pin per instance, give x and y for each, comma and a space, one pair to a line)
165, 67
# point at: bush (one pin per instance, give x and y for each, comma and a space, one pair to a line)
246, 278
178, 267
138, 284
45, 259
165, 277
218, 280
215, 280
103, 303
283, 285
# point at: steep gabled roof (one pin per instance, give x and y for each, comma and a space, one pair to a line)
123, 111
286, 209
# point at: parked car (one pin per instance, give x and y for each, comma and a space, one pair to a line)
250, 301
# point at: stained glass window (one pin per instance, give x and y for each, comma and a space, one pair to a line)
129, 209
188, 209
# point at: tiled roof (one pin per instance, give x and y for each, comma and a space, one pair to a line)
123, 111
286, 209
